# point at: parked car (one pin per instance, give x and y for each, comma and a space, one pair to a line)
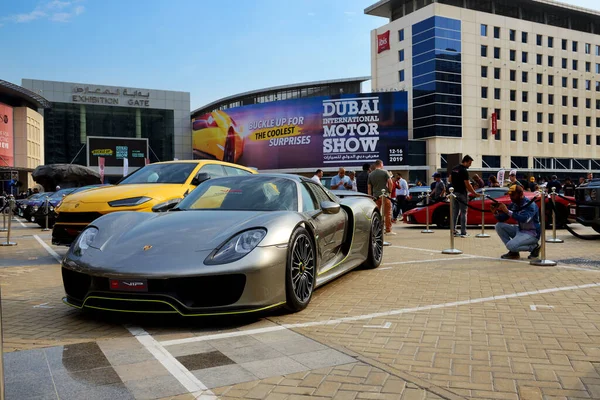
587, 210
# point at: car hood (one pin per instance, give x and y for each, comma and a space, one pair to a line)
117, 192
172, 232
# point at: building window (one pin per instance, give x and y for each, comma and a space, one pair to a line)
484, 92
597, 50
588, 103
588, 48
524, 56
513, 55
483, 50
513, 136
551, 61
540, 98
484, 112
484, 71
588, 84
539, 118
575, 82
538, 59
484, 133
401, 55
538, 40
497, 111
525, 116
565, 101
598, 140
512, 35
598, 104
575, 120
565, 138
497, 53
497, 94
539, 78
597, 122
564, 81
574, 45
497, 135
564, 63
525, 136
483, 30
524, 97
550, 137
575, 102
564, 44
550, 41
575, 65
523, 37
551, 119
496, 32
513, 95
550, 80
575, 138
513, 115
496, 73
524, 76
540, 137
588, 66
401, 35
551, 99
565, 119
588, 121
513, 75
597, 86
401, 75
597, 68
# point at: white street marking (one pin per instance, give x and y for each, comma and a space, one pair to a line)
534, 307
22, 224
387, 325
383, 269
43, 305
48, 249
430, 260
376, 315
179, 372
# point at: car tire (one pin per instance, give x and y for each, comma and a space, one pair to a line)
301, 270
229, 150
441, 217
375, 254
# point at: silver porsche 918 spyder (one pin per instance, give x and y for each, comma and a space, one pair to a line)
235, 244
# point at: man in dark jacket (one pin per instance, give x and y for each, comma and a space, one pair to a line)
362, 179
525, 235
554, 183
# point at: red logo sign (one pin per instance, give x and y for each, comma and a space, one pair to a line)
494, 124
7, 151
383, 42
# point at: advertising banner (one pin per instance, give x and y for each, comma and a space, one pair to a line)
494, 124
333, 131
116, 150
7, 151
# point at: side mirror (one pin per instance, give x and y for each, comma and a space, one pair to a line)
329, 207
165, 206
200, 177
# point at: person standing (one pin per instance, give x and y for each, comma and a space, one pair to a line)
379, 180
362, 179
525, 235
317, 176
439, 189
352, 179
512, 177
460, 182
401, 193
340, 181
554, 183
569, 187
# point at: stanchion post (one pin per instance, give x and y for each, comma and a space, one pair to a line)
47, 210
542, 262
427, 197
11, 203
452, 250
4, 215
482, 234
554, 239
382, 197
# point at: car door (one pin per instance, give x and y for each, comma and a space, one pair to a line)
330, 228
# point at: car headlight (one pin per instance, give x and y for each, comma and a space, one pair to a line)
132, 201
236, 247
84, 240
35, 208
51, 208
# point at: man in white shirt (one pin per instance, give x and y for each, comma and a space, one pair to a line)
401, 194
317, 176
352, 178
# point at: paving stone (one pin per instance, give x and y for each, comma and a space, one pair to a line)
224, 375
272, 367
155, 387
323, 358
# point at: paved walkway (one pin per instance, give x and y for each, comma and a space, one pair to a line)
422, 326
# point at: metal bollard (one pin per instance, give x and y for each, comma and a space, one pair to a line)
4, 217
1, 352
382, 197
11, 204
554, 239
542, 262
427, 230
47, 207
452, 250
482, 234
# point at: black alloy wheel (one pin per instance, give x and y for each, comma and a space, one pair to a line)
376, 243
300, 271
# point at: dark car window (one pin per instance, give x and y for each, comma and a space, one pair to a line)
214, 170
318, 193
232, 171
248, 193
161, 173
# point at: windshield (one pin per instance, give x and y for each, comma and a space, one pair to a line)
161, 173
249, 193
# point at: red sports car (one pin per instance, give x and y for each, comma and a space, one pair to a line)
439, 213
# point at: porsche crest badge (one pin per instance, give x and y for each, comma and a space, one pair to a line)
147, 247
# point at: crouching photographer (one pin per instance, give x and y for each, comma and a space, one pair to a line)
525, 235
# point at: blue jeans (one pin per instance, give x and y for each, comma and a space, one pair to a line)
514, 240
460, 204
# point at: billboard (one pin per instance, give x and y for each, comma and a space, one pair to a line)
114, 150
7, 150
333, 131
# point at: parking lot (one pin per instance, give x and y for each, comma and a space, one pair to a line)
424, 325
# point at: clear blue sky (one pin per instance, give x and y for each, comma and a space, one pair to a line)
209, 48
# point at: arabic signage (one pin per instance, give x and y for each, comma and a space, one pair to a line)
115, 150
7, 151
114, 97
383, 42
333, 131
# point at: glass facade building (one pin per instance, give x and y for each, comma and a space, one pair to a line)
436, 70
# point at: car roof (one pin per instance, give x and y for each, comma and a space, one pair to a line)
206, 162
